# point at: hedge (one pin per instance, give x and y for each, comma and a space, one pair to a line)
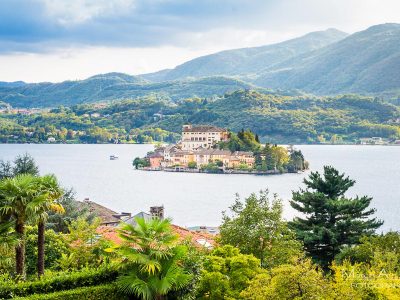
63, 281
99, 292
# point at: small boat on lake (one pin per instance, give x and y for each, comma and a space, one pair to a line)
113, 157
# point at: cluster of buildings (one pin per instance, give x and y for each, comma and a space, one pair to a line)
197, 148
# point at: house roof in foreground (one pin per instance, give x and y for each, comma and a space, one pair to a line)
199, 239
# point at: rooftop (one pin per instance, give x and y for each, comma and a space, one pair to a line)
202, 128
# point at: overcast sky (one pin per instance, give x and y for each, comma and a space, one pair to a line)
56, 40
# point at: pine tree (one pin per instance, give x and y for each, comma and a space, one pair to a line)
331, 220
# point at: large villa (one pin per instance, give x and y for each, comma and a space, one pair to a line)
197, 148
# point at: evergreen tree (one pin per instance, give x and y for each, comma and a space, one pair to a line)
331, 220
25, 164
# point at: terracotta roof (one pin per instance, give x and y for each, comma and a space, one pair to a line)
248, 153
197, 238
203, 128
105, 214
154, 155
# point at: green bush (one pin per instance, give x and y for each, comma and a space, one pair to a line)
99, 292
63, 281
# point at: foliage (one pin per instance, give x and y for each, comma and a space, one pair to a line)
364, 281
58, 282
384, 244
22, 164
192, 165
98, 292
72, 211
256, 227
226, 273
25, 164
211, 167
86, 246
152, 259
192, 263
299, 280
242, 141
140, 163
8, 240
276, 117
55, 246
331, 220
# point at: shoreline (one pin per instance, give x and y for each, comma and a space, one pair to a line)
221, 172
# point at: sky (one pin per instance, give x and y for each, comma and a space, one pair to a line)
56, 40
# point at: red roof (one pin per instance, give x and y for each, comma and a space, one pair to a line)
197, 238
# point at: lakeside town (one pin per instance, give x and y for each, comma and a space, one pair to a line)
211, 149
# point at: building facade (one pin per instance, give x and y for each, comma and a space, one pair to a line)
202, 136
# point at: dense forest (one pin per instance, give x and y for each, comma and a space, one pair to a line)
276, 118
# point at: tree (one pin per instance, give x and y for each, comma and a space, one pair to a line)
299, 280
49, 192
140, 162
369, 246
152, 254
5, 169
192, 165
227, 272
8, 240
25, 164
73, 210
331, 220
85, 246
256, 227
55, 245
17, 195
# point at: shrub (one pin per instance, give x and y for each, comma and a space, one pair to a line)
63, 281
99, 292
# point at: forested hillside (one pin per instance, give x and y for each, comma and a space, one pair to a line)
364, 62
275, 117
248, 60
114, 86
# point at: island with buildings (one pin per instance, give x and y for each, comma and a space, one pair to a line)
211, 149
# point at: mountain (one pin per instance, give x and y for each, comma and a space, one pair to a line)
114, 86
366, 62
11, 84
248, 60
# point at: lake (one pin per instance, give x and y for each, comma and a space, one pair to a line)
199, 199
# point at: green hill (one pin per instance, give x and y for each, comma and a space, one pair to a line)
248, 60
275, 117
114, 86
364, 62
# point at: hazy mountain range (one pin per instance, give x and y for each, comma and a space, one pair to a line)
324, 63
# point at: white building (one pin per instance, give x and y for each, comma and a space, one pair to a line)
202, 136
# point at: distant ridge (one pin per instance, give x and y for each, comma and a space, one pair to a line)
364, 62
248, 60
326, 62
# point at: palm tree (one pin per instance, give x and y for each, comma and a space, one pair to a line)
152, 255
48, 192
17, 194
8, 240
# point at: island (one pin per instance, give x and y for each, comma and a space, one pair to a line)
211, 149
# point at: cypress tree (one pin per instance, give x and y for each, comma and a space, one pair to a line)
331, 220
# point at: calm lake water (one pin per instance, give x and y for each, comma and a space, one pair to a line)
198, 199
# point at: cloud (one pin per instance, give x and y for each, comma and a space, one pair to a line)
71, 12
45, 25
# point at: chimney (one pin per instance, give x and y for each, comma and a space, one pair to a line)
157, 211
